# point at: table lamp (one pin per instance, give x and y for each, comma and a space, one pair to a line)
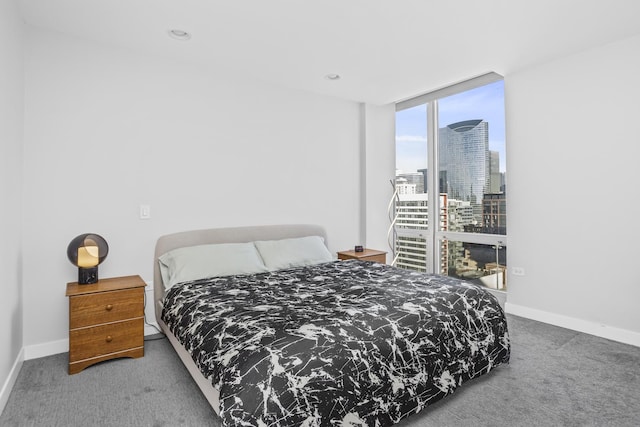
86, 251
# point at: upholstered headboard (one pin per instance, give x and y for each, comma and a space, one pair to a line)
223, 235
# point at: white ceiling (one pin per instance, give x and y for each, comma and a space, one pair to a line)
384, 50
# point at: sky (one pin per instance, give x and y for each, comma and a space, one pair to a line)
485, 102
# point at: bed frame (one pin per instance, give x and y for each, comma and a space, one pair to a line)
212, 236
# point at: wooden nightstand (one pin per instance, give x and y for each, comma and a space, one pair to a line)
106, 321
368, 255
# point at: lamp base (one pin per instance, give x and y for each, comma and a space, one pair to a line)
87, 276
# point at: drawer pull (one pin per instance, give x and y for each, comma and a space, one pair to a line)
109, 307
109, 338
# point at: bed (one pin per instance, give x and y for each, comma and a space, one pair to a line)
305, 340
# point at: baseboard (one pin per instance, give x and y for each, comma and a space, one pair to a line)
11, 380
592, 328
36, 351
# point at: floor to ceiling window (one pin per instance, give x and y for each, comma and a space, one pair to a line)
451, 143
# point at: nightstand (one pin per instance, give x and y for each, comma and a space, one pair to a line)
106, 321
367, 255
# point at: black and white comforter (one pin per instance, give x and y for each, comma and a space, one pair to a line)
342, 343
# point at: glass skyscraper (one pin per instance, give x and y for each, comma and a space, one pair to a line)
464, 157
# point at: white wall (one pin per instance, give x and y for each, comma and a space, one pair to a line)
380, 164
11, 135
108, 129
573, 156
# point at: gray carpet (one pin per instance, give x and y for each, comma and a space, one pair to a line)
556, 377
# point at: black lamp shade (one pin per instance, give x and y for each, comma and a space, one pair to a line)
86, 251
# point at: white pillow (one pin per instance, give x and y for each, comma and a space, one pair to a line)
203, 261
296, 252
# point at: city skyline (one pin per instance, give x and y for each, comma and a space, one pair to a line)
485, 102
470, 170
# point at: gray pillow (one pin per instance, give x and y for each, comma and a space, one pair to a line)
295, 252
204, 261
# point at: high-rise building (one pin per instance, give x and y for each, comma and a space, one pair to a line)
412, 220
403, 186
442, 180
464, 156
413, 178
494, 213
495, 177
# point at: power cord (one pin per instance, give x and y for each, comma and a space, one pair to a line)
162, 336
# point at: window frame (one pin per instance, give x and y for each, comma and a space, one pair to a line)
434, 237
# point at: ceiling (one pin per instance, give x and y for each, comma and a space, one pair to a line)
384, 50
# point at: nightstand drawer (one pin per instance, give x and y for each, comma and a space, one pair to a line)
381, 258
105, 307
100, 340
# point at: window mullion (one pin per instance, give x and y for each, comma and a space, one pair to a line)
432, 185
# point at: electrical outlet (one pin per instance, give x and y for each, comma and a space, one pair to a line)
517, 271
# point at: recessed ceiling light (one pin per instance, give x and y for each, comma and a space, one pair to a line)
179, 34
332, 77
